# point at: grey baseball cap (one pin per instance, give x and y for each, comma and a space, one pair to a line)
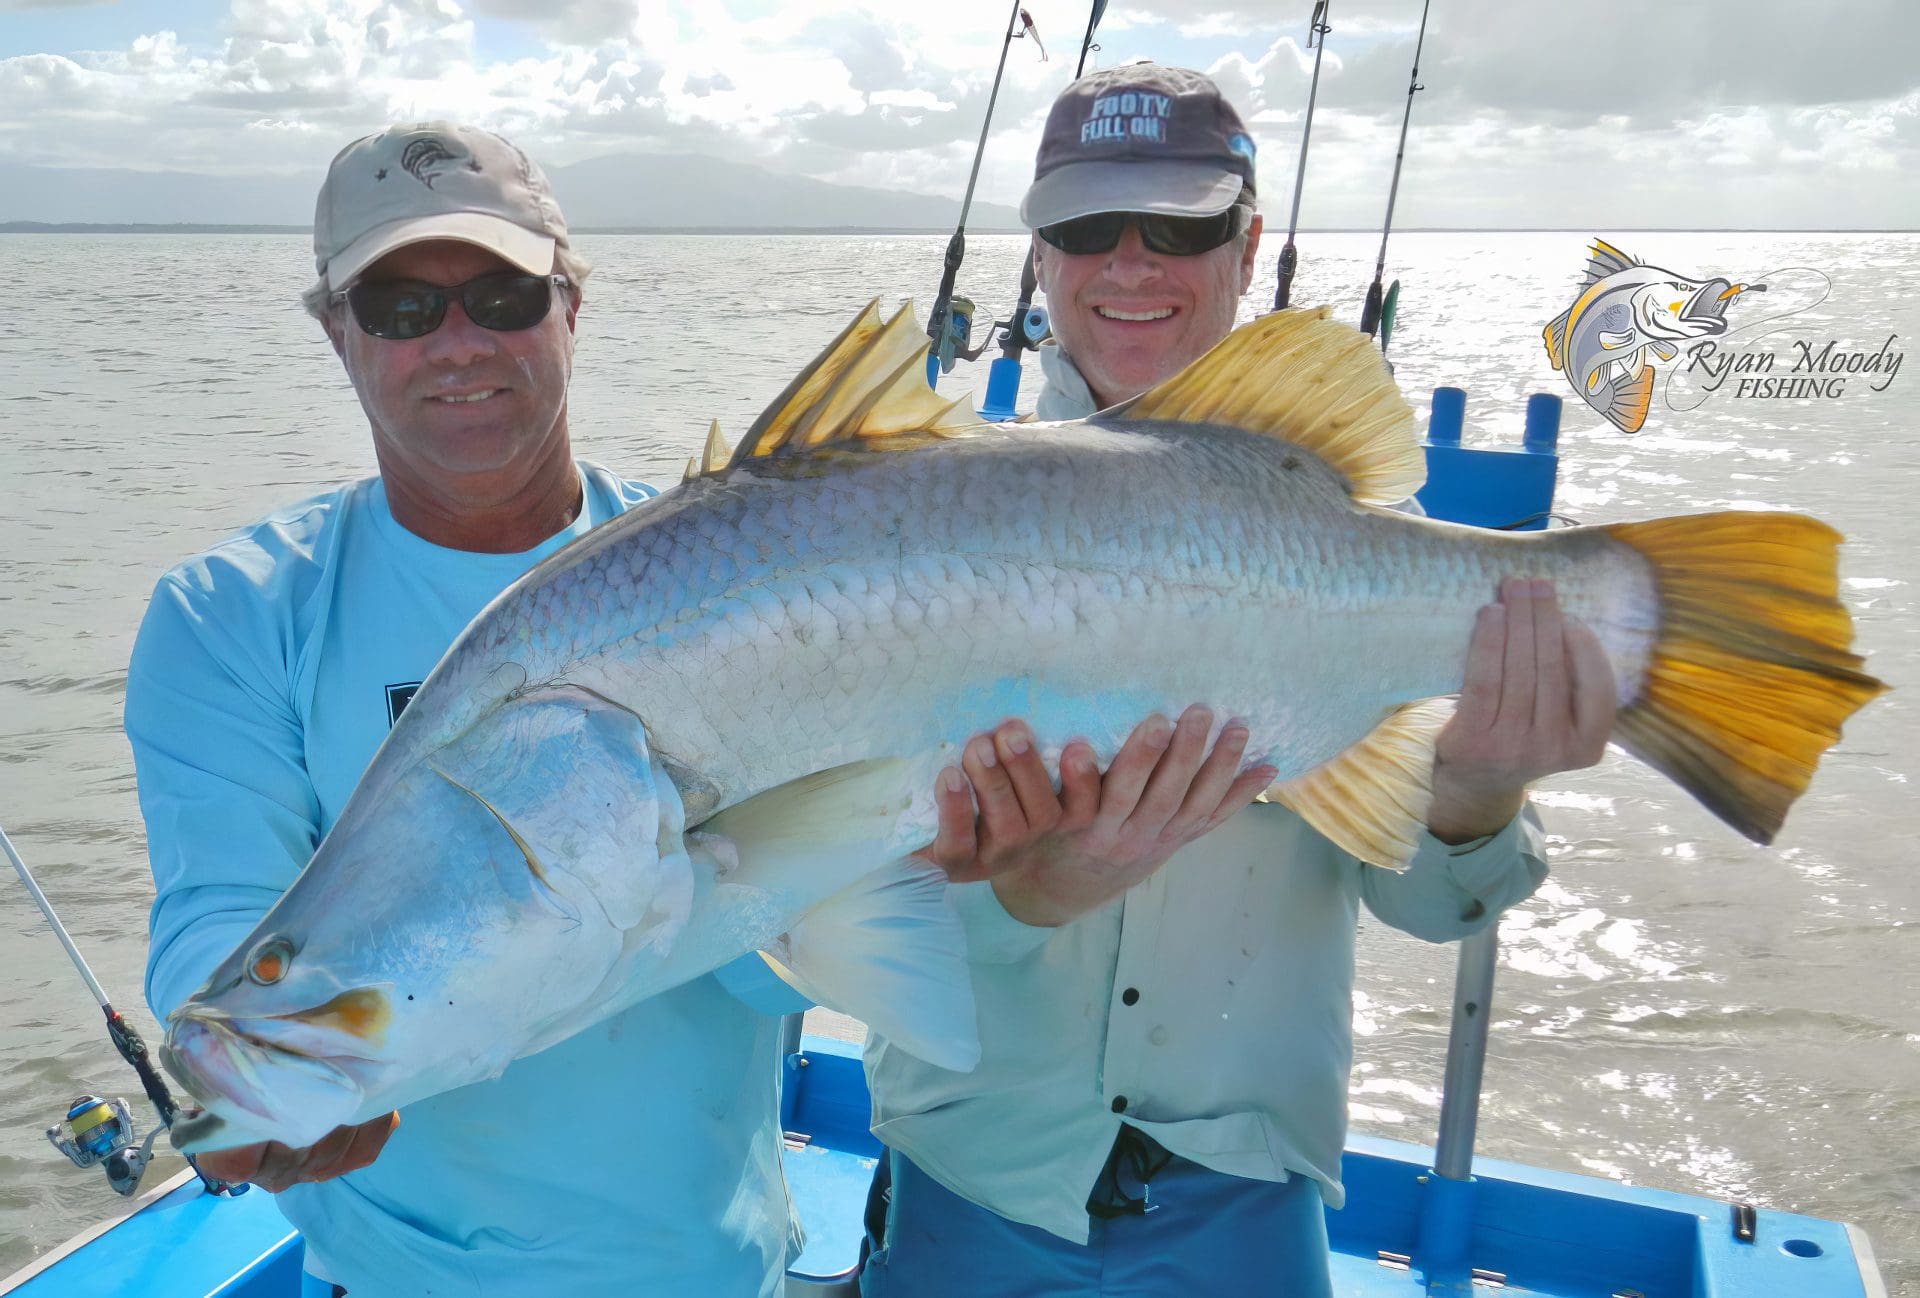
433, 180
1139, 138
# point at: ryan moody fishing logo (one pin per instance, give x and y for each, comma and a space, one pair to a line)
1628, 315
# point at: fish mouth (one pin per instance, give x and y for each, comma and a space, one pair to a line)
287, 1072
1706, 310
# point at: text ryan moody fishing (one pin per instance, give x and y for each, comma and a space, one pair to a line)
1809, 371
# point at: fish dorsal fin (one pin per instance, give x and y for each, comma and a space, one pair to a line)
1372, 799
1603, 259
1303, 377
712, 457
869, 384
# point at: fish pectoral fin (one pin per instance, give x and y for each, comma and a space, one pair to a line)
1372, 799
1614, 339
867, 389
890, 950
568, 774
1309, 380
869, 811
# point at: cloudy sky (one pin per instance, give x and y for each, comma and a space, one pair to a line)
1549, 113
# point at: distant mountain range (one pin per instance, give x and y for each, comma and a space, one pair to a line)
641, 190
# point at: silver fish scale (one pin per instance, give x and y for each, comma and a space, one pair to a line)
798, 612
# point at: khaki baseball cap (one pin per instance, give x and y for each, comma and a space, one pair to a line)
433, 180
1139, 138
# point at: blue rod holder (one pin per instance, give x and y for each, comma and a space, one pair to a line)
1542, 433
1449, 415
1003, 389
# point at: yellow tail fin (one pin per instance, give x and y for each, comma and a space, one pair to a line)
1753, 672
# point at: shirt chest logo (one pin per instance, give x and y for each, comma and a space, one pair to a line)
398, 696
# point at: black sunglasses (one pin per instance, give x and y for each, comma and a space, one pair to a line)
399, 309
1170, 236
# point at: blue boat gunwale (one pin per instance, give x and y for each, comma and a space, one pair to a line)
1663, 1243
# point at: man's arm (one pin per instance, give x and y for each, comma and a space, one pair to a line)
231, 817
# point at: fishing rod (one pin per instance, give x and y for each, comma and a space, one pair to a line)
96, 1130
1026, 326
1317, 30
949, 328
1378, 310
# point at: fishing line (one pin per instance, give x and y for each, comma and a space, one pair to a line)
1682, 374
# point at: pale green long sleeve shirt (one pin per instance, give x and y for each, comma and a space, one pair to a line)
1210, 1006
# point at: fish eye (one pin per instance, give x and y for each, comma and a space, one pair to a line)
269, 962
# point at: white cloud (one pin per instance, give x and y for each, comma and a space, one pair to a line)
1531, 111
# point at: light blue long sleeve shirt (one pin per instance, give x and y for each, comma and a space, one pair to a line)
640, 1156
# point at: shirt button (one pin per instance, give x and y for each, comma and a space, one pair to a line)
1158, 1036
1119, 1104
1130, 996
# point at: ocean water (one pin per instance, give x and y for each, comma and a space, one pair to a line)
1676, 1007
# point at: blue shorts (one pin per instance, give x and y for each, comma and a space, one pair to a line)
1208, 1233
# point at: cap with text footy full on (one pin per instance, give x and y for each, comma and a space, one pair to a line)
1139, 138
433, 180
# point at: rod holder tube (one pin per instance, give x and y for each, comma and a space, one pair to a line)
1448, 416
1466, 1054
1003, 390
1542, 433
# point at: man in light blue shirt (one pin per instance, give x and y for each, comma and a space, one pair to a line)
641, 1156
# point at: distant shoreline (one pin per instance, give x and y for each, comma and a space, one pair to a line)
86, 227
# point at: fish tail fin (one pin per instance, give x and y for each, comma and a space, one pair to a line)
1556, 336
890, 950
1752, 673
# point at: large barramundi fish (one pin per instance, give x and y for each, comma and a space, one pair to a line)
713, 725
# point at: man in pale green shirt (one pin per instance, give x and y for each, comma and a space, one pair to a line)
1164, 986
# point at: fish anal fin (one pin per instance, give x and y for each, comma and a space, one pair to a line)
1753, 672
1628, 408
1372, 799
1302, 377
869, 386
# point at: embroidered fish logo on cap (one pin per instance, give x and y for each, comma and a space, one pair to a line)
433, 156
